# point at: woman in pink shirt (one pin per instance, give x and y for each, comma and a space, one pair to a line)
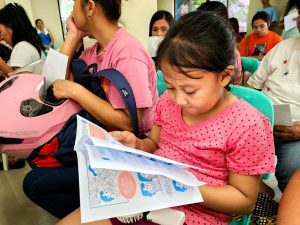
56, 189
200, 123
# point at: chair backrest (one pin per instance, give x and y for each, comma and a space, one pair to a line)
250, 64
257, 99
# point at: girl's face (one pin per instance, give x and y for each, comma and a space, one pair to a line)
6, 34
160, 28
197, 94
40, 24
79, 16
260, 27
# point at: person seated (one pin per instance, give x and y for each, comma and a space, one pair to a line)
158, 27
292, 6
17, 31
236, 27
5, 52
289, 207
199, 122
261, 40
278, 77
271, 11
221, 10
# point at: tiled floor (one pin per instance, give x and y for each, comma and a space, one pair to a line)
16, 209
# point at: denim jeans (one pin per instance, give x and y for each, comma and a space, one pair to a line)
288, 160
54, 189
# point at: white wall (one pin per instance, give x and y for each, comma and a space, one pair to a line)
48, 11
136, 16
167, 5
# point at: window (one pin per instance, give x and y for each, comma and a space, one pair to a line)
65, 9
236, 8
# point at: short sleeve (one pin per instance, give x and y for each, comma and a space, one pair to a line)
23, 54
251, 151
158, 121
137, 74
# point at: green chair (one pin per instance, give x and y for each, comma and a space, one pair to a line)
249, 65
161, 84
263, 104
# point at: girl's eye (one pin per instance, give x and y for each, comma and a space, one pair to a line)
190, 92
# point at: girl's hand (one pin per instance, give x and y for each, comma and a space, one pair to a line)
126, 138
64, 89
288, 133
72, 28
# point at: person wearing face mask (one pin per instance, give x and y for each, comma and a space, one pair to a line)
261, 40
159, 26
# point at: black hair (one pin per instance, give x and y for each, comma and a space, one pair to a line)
14, 17
37, 20
261, 15
292, 4
234, 24
160, 14
111, 8
216, 7
194, 41
5, 52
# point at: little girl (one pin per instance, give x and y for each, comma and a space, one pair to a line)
200, 123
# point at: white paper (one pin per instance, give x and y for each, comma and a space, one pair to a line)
55, 66
282, 114
116, 180
290, 21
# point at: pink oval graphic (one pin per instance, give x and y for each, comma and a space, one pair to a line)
127, 185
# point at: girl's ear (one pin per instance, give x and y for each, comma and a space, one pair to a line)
90, 8
227, 75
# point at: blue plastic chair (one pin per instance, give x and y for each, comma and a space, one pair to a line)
263, 104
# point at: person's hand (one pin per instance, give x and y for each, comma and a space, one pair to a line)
288, 133
72, 28
64, 88
126, 138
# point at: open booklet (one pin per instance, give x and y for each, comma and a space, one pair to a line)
116, 180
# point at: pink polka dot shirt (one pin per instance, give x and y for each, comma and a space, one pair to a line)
239, 139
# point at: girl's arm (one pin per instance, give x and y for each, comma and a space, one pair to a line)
6, 69
51, 39
238, 197
69, 46
101, 109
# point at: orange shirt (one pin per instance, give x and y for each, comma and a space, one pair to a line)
259, 42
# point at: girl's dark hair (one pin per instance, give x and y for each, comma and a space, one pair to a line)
234, 24
111, 8
5, 52
160, 14
290, 5
14, 17
194, 41
217, 7
261, 15
37, 20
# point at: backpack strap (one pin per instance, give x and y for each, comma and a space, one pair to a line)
82, 75
123, 86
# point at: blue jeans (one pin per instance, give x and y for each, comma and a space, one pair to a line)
288, 160
54, 189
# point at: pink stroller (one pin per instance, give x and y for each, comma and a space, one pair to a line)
30, 116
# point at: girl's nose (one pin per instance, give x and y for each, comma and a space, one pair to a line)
180, 99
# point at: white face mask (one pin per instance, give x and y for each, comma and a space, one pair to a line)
153, 44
